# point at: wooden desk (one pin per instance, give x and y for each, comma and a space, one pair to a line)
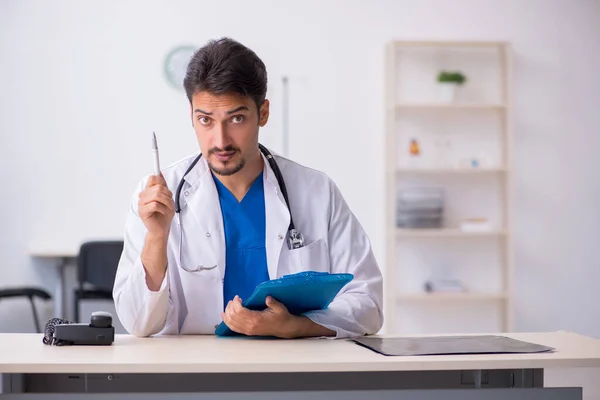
284, 369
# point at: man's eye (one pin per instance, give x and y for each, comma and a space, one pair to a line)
237, 119
204, 120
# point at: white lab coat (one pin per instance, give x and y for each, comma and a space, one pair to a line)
191, 302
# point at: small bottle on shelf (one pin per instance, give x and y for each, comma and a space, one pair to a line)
414, 151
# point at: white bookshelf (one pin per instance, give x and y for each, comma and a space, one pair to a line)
480, 170
450, 135
466, 106
458, 297
447, 233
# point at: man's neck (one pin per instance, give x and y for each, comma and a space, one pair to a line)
239, 183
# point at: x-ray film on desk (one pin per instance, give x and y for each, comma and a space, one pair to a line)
446, 345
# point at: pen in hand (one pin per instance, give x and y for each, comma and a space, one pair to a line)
156, 210
155, 152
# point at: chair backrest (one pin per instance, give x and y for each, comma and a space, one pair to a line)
97, 263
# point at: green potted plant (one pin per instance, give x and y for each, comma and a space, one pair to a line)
448, 82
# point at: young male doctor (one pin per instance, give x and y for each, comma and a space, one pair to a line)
187, 277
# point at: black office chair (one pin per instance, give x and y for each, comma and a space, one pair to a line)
31, 293
97, 264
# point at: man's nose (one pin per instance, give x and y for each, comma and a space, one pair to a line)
221, 137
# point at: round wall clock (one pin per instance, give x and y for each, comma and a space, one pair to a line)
176, 62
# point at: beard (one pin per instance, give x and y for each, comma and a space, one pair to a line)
229, 168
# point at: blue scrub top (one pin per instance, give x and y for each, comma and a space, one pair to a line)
246, 254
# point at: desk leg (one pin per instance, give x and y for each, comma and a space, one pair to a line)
61, 294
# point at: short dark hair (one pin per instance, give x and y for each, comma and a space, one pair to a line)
225, 66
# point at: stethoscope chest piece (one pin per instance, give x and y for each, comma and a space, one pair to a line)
295, 239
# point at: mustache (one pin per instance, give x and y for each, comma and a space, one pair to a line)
227, 149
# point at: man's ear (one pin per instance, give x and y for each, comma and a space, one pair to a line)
263, 113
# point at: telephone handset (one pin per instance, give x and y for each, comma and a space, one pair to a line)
99, 331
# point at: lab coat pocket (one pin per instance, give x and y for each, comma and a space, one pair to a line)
203, 296
312, 257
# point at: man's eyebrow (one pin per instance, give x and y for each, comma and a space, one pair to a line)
240, 108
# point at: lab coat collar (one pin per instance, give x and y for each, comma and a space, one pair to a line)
197, 173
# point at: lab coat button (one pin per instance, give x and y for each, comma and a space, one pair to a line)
207, 234
186, 193
280, 236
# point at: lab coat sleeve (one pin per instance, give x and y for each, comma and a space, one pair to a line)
141, 311
357, 310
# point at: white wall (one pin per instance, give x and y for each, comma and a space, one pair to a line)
82, 88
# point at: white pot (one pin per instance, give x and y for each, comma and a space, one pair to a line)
447, 92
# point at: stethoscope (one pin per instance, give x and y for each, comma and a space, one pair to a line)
295, 239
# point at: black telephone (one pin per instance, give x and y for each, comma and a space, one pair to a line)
98, 332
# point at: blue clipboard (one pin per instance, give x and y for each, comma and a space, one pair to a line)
300, 293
